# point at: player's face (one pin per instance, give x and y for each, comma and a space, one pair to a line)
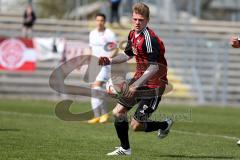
100, 22
139, 22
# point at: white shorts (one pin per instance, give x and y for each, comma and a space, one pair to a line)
104, 74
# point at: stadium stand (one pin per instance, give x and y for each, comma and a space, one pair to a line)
203, 67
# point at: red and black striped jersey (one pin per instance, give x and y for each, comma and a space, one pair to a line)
147, 48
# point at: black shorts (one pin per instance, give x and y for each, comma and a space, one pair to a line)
146, 105
28, 24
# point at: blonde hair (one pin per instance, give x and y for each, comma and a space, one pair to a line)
142, 9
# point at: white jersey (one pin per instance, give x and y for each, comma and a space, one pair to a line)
98, 40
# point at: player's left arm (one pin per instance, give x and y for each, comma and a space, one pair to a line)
151, 70
152, 48
153, 51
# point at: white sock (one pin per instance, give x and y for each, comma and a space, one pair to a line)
104, 107
98, 102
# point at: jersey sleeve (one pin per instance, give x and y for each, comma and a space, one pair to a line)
113, 38
128, 49
152, 48
90, 40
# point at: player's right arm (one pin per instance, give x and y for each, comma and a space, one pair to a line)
121, 58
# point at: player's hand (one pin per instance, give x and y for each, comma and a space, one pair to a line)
131, 92
235, 42
103, 61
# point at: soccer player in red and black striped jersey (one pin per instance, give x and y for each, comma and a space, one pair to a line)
151, 73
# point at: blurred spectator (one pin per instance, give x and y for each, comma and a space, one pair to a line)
29, 18
235, 41
115, 11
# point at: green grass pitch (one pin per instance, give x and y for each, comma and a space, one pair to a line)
30, 130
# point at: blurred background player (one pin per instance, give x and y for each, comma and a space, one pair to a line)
151, 73
29, 18
98, 39
235, 42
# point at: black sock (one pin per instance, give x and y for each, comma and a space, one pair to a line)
155, 125
122, 127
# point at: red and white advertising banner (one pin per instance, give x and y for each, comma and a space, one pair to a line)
17, 54
21, 54
49, 48
74, 49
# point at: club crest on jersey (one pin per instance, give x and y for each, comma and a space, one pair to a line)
134, 49
138, 41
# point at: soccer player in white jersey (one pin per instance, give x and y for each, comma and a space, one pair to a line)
98, 39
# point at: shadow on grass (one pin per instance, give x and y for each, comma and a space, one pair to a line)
197, 157
9, 130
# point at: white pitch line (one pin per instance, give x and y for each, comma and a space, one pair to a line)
28, 114
205, 135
